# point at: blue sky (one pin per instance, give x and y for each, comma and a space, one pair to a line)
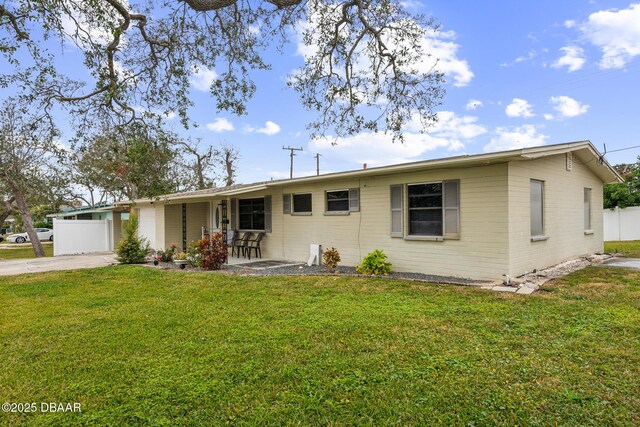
519, 73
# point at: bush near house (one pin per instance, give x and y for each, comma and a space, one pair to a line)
132, 249
375, 263
209, 254
331, 258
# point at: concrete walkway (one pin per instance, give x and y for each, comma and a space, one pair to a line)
632, 263
68, 262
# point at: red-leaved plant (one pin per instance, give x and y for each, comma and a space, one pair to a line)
213, 253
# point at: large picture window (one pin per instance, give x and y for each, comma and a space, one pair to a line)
425, 209
251, 214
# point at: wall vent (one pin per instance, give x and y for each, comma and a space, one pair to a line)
569, 162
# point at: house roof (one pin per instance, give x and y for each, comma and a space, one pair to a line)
85, 210
583, 150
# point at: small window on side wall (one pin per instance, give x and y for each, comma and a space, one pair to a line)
537, 208
587, 209
347, 200
302, 203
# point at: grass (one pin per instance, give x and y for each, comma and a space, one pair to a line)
630, 248
139, 346
20, 252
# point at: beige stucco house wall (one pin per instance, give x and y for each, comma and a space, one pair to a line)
494, 213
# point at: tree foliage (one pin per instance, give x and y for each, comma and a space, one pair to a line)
131, 162
364, 66
624, 194
29, 158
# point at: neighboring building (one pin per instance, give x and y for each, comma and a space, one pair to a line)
478, 216
88, 229
99, 212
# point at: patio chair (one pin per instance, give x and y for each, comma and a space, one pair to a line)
240, 244
254, 244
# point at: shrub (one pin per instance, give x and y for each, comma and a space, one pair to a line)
209, 254
132, 249
43, 224
331, 258
167, 255
375, 263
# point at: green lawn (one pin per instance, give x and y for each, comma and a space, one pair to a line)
20, 252
629, 248
139, 346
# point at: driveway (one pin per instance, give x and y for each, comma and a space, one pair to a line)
67, 262
632, 263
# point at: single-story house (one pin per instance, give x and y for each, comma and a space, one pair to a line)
476, 216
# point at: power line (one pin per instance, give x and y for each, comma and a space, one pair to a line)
623, 149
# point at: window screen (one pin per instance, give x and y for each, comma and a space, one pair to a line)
425, 209
302, 203
537, 208
338, 201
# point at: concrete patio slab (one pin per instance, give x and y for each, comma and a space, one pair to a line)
68, 262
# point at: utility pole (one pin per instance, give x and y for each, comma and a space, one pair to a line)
291, 149
317, 157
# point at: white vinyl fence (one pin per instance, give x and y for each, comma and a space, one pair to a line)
81, 236
622, 224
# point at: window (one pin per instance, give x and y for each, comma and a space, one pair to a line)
433, 210
425, 209
537, 208
251, 214
347, 200
338, 201
302, 203
587, 209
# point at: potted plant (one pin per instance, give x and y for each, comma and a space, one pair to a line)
180, 259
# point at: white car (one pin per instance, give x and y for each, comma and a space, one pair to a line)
43, 234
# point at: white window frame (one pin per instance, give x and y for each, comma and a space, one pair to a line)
326, 199
542, 235
408, 214
588, 210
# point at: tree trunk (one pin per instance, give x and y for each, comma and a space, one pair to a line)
8, 210
18, 194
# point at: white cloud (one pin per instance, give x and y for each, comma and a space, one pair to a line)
270, 128
524, 58
569, 23
517, 137
473, 104
573, 58
568, 107
548, 117
617, 33
376, 149
220, 125
442, 48
202, 77
519, 108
